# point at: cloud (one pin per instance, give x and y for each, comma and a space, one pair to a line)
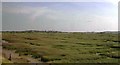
103, 23
16, 10
57, 0
33, 13
36, 12
67, 20
114, 2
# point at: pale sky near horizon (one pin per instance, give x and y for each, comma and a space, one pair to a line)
60, 16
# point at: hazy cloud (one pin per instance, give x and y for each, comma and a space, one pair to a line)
60, 16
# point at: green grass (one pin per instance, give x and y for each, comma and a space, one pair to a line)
65, 47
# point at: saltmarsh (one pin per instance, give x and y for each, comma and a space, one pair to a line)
65, 47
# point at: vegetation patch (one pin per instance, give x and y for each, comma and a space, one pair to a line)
64, 47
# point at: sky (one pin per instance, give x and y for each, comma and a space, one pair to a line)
0, 17
60, 16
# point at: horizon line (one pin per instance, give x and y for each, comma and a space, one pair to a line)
54, 31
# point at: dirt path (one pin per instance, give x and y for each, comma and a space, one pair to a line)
18, 59
0, 52
15, 56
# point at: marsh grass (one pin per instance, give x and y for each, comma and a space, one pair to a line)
65, 47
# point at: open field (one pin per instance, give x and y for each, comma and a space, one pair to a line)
61, 47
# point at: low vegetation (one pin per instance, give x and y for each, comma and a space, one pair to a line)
63, 47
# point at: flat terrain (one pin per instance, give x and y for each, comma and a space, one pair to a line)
50, 47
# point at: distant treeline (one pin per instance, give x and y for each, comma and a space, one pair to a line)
29, 31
